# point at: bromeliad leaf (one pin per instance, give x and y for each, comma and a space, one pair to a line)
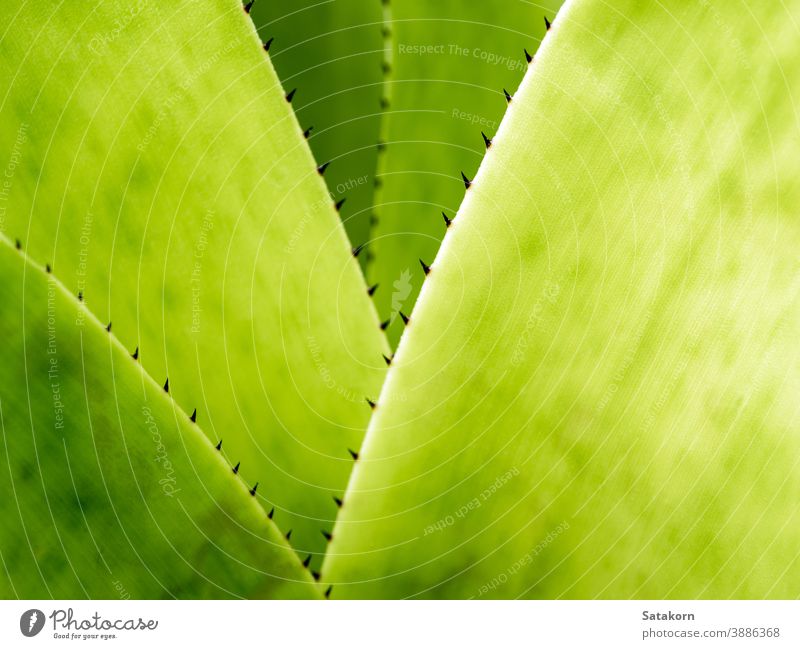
330, 52
451, 61
163, 175
109, 490
596, 395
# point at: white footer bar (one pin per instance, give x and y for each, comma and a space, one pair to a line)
385, 625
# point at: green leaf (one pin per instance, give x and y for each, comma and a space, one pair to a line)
331, 52
108, 489
451, 62
596, 395
155, 163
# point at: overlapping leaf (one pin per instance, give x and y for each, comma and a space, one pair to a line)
109, 491
596, 395
451, 61
331, 52
155, 164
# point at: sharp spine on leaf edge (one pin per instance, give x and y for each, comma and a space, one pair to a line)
253, 490
371, 403
321, 169
447, 221
371, 290
290, 95
547, 23
135, 355
425, 268
385, 324
193, 416
306, 561
236, 468
219, 445
327, 535
528, 57
328, 592
166, 385
353, 454
249, 6
486, 140
268, 44
467, 181
404, 317
508, 97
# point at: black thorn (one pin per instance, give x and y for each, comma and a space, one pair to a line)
387, 359
236, 468
315, 575
357, 250
135, 355
290, 96
271, 513
467, 181
47, 268
486, 140
404, 317
339, 204
321, 169
508, 97
18, 244
219, 445
108, 327
338, 501
384, 324
528, 57
249, 6
327, 535
288, 535
253, 490
307, 132
306, 561
353, 454
447, 221
371, 290
546, 23
371, 403
425, 268
328, 591
80, 296
166, 385
268, 44
193, 416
